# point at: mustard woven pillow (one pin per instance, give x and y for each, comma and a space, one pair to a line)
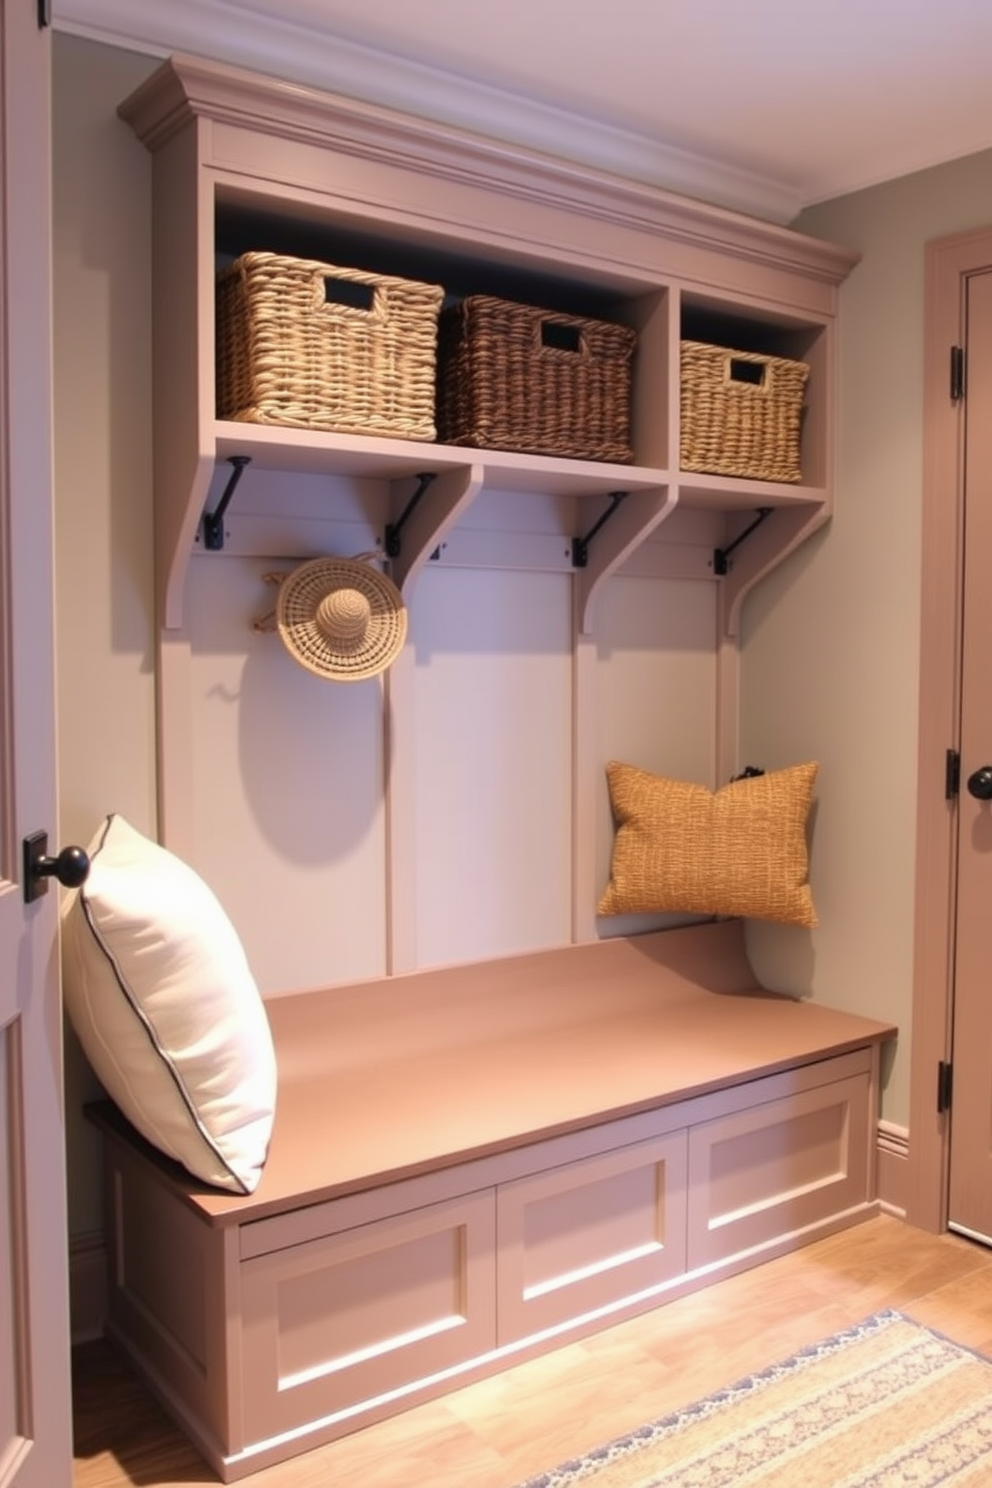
737, 851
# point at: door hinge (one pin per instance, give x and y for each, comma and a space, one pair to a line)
44, 14
944, 1081
952, 774
957, 373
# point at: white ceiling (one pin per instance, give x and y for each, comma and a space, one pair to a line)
763, 105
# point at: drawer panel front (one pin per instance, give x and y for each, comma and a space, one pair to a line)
582, 1237
348, 1318
768, 1172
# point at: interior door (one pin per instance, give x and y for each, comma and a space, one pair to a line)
35, 1433
970, 1185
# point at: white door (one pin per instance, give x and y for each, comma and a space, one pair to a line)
35, 1425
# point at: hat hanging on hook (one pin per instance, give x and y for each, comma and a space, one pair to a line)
341, 618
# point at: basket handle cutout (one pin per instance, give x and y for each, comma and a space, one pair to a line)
350, 293
559, 337
750, 372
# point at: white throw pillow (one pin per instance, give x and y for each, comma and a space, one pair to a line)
159, 991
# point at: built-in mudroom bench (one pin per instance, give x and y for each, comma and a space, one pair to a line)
508, 1116
474, 1164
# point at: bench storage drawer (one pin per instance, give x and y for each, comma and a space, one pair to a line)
362, 1313
779, 1168
580, 1237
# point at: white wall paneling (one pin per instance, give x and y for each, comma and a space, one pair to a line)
492, 726
287, 788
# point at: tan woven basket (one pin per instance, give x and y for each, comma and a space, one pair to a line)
741, 413
290, 351
511, 377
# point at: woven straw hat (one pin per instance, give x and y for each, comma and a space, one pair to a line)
341, 618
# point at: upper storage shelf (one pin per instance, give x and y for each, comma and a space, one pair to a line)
245, 162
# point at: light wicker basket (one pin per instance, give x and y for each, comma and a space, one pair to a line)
511, 377
290, 352
741, 413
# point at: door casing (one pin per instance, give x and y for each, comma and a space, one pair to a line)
35, 1417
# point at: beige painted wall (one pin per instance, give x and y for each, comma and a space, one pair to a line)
831, 640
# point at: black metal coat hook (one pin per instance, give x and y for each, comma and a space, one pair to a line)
392, 541
580, 545
213, 522
721, 556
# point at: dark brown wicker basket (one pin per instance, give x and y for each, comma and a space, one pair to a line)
289, 351
511, 377
741, 413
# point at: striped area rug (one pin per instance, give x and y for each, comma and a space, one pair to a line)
886, 1404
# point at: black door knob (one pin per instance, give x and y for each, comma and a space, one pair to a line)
980, 783
71, 867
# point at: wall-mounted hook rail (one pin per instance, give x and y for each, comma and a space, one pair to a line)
213, 522
393, 541
721, 556
580, 545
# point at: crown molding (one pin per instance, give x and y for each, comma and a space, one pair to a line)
188, 87
226, 32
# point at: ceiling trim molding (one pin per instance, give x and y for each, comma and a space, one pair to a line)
227, 32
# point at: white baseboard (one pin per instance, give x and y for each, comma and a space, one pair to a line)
87, 1286
893, 1168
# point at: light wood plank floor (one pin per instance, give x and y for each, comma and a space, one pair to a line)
528, 1419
